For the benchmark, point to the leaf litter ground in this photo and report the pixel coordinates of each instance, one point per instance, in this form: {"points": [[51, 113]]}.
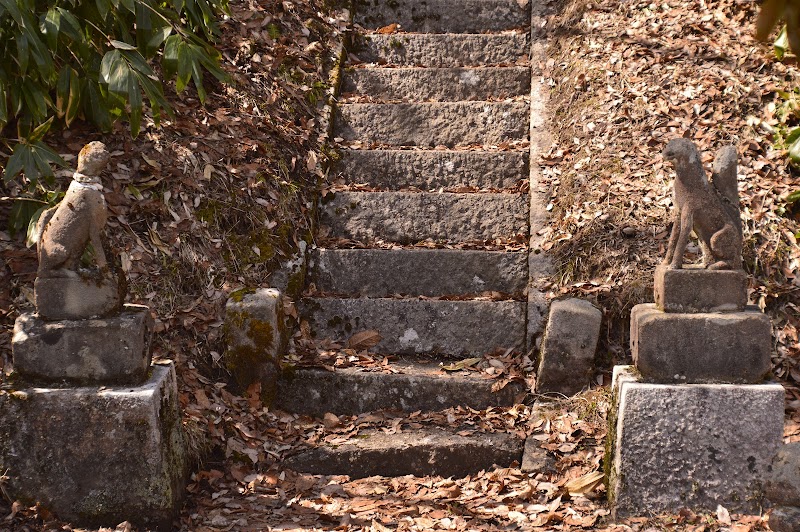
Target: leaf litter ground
{"points": [[187, 199]]}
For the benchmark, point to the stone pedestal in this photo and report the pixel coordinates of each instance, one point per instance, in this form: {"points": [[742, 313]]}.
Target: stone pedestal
{"points": [[112, 350], [695, 424], [695, 289], [691, 445], [73, 298], [701, 347], [96, 455]]}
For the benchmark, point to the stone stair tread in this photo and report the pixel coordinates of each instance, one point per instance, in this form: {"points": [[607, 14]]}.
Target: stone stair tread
{"points": [[411, 385], [438, 84], [445, 49], [408, 217], [443, 16], [419, 452], [415, 326], [433, 169], [433, 123], [418, 272]]}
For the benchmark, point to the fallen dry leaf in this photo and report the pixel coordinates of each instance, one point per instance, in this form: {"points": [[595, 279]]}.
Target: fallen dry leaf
{"points": [[364, 340]]}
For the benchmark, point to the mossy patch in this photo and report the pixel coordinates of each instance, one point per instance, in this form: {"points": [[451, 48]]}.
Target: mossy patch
{"points": [[251, 354]]}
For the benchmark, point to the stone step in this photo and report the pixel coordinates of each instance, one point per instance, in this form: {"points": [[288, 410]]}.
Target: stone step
{"points": [[412, 385], [438, 84], [420, 452], [444, 16], [418, 272], [433, 124], [408, 217], [434, 169], [413, 326], [444, 49]]}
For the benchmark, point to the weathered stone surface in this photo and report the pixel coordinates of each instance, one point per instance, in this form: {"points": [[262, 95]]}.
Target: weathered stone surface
{"points": [[538, 307], [782, 485], [256, 338], [433, 124], [701, 347], [566, 362], [442, 50], [411, 452], [96, 457], [434, 169], [535, 459], [438, 84], [415, 386], [444, 16], [418, 272], [700, 290], [76, 298], [411, 326], [784, 519], [419, 216], [692, 445], [97, 351]]}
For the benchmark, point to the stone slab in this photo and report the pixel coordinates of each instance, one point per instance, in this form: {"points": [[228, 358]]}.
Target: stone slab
{"points": [[784, 519], [96, 456], [438, 84], [412, 326], [422, 452], [566, 361], [76, 298], [701, 347], [443, 16], [535, 459], [692, 446], [699, 290], [433, 124], [782, 486], [410, 217], [410, 386], [92, 351], [418, 272], [434, 169], [256, 338], [445, 50]]}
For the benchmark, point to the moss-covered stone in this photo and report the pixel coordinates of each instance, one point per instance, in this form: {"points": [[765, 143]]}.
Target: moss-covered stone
{"points": [[256, 339], [97, 457]]}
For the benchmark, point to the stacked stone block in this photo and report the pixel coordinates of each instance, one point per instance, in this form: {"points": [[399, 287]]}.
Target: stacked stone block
{"points": [[89, 428], [697, 423]]}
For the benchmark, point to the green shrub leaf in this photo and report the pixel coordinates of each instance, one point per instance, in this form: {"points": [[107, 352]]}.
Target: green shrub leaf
{"points": [[69, 60]]}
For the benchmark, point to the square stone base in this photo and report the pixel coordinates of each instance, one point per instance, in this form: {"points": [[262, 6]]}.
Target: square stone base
{"points": [[96, 456], [77, 298], [691, 446], [113, 350], [708, 347], [695, 289]]}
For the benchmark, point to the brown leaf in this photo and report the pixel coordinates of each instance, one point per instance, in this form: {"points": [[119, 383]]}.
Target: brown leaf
{"points": [[391, 28], [364, 340], [331, 421], [461, 364], [585, 484]]}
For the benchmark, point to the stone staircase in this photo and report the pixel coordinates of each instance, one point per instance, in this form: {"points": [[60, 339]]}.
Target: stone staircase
{"points": [[431, 215]]}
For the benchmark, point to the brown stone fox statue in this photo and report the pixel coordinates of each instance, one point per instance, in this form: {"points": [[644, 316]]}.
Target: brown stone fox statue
{"points": [[65, 230], [711, 209]]}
